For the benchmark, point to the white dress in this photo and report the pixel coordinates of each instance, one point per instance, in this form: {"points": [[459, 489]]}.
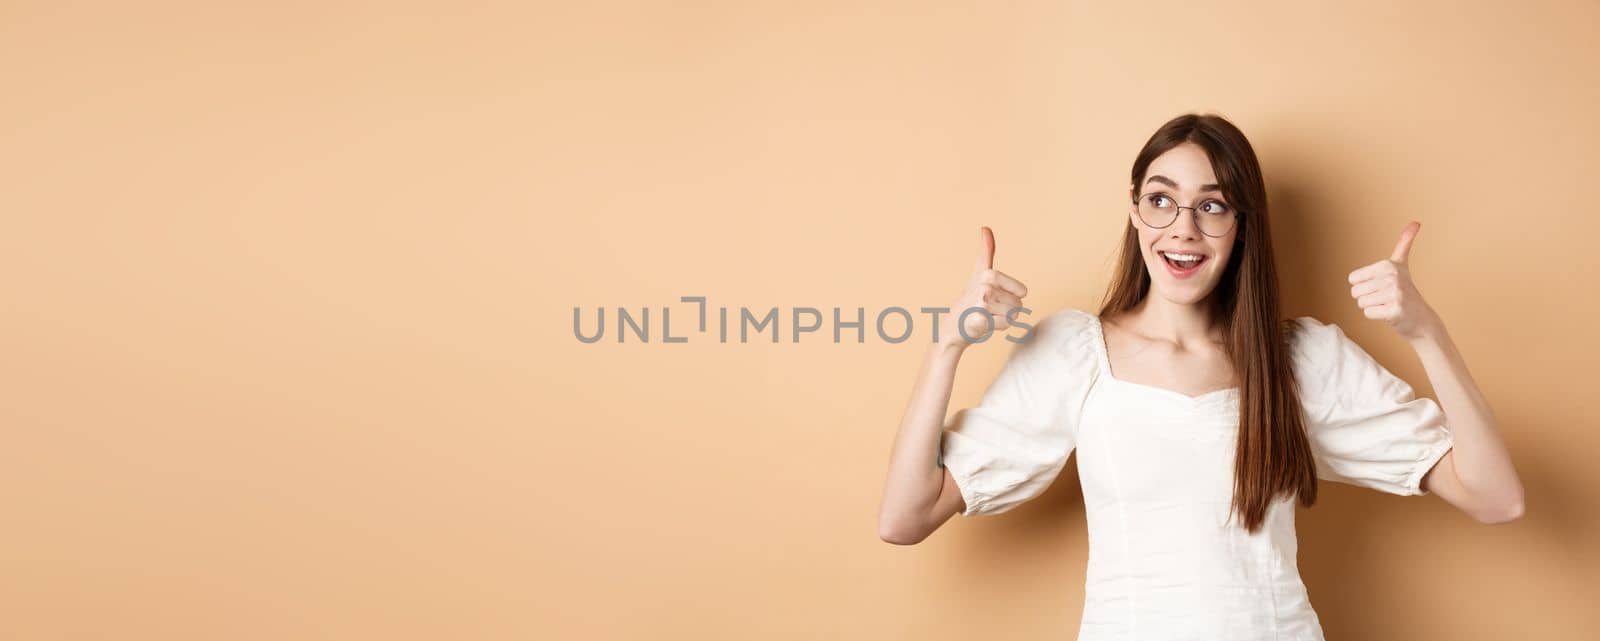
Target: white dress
{"points": [[1156, 466]]}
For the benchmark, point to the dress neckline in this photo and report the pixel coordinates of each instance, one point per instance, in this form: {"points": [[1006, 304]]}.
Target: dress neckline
{"points": [[1103, 354]]}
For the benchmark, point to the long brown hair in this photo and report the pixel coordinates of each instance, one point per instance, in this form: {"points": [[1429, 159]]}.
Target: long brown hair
{"points": [[1274, 456]]}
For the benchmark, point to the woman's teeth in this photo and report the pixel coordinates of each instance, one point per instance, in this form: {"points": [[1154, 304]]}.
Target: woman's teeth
{"points": [[1183, 261]]}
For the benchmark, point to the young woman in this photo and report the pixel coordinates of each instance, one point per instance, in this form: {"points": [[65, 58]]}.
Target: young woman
{"points": [[1198, 416]]}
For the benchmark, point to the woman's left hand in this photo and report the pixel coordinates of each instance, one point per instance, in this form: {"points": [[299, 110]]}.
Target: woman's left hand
{"points": [[1385, 292]]}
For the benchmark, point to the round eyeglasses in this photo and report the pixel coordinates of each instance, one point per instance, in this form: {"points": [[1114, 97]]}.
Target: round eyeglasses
{"points": [[1214, 217]]}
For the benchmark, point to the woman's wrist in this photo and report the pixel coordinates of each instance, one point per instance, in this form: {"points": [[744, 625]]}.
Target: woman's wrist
{"points": [[948, 348]]}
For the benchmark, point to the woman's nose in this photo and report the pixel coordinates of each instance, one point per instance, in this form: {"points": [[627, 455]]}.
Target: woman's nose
{"points": [[1185, 226]]}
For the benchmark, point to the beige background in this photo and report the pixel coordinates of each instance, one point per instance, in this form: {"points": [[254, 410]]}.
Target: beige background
{"points": [[287, 347]]}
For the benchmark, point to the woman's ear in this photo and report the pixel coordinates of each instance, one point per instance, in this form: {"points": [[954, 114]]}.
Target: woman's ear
{"points": [[1133, 207]]}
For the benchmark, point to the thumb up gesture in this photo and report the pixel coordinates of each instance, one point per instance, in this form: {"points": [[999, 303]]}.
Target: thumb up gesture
{"points": [[987, 288], [1385, 292]]}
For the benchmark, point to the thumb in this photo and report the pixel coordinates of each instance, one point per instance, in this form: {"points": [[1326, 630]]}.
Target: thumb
{"points": [[1403, 250], [986, 252]]}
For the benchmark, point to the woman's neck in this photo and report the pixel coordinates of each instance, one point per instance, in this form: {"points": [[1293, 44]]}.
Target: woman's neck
{"points": [[1177, 323]]}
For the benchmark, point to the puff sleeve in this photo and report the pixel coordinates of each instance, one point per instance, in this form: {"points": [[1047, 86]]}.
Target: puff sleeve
{"points": [[1010, 447], [1366, 425]]}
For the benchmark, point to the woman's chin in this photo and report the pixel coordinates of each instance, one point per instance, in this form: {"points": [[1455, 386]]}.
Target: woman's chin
{"points": [[1184, 292]]}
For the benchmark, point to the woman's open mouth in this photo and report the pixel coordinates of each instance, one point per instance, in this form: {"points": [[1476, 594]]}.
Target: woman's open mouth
{"points": [[1183, 265]]}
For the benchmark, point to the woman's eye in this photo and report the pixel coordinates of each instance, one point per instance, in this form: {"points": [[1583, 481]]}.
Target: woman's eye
{"points": [[1161, 200], [1214, 207]]}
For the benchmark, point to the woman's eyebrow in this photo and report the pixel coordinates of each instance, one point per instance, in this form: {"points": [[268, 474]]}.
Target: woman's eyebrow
{"points": [[1158, 178]]}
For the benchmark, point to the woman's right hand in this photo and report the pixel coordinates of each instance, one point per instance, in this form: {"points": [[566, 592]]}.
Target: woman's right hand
{"points": [[989, 289]]}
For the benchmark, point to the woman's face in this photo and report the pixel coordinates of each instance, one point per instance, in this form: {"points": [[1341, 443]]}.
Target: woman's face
{"points": [[1184, 174]]}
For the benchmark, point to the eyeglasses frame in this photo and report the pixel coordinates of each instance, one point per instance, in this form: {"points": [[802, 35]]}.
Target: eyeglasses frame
{"points": [[1236, 213]]}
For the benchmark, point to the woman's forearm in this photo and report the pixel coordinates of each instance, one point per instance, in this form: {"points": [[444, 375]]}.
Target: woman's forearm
{"points": [[920, 495], [915, 481], [1482, 464]]}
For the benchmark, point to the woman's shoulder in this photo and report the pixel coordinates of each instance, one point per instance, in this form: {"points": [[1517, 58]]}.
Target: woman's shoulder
{"points": [[1065, 325], [1066, 338], [1326, 361], [1069, 319], [1311, 338], [1311, 341]]}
